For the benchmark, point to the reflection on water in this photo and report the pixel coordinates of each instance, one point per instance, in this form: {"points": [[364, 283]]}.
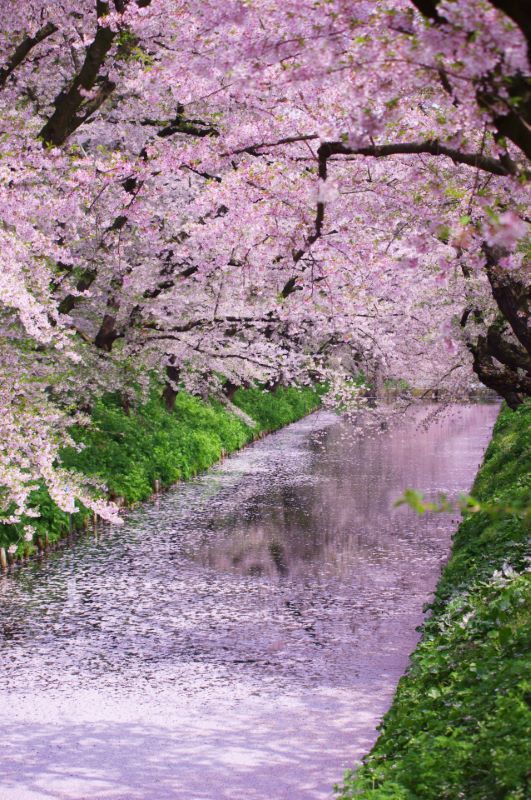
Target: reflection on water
{"points": [[247, 628]]}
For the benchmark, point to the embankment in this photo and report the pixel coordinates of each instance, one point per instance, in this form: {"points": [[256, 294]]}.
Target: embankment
{"points": [[134, 453]]}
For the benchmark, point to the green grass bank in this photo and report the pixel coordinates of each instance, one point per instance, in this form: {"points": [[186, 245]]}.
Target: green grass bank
{"points": [[460, 723], [151, 446]]}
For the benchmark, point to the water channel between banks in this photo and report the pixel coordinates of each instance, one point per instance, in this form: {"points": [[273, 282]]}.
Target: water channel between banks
{"points": [[240, 636]]}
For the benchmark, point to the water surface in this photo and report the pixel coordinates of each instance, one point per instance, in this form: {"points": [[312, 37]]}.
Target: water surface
{"points": [[242, 635]]}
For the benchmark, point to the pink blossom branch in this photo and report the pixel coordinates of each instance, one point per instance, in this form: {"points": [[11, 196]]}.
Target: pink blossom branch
{"points": [[24, 49], [70, 108], [431, 147]]}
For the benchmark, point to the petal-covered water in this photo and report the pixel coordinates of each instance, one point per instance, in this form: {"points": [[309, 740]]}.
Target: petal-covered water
{"points": [[241, 636]]}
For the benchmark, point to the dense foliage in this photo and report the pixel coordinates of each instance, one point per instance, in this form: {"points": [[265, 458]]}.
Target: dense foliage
{"points": [[130, 453], [254, 189], [459, 725]]}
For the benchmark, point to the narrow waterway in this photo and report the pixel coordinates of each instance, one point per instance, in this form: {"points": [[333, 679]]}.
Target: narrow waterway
{"points": [[239, 637]]}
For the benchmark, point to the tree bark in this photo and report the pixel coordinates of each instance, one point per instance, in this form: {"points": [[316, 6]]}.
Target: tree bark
{"points": [[24, 48], [71, 109], [511, 384], [66, 117], [170, 391], [107, 334], [512, 295], [230, 389], [515, 122]]}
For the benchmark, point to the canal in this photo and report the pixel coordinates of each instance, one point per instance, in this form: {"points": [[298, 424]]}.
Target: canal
{"points": [[240, 636]]}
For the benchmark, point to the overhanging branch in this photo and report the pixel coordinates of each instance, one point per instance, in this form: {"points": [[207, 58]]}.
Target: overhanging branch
{"points": [[432, 147], [24, 48]]}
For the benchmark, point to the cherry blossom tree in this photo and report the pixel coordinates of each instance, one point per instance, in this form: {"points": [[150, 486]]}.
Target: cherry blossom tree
{"points": [[246, 188]]}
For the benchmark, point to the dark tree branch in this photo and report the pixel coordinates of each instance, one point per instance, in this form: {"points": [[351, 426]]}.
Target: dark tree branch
{"points": [[505, 351], [518, 10], [428, 8], [510, 383], [24, 48], [190, 127], [515, 122], [69, 302], [289, 287], [512, 125], [69, 101], [105, 88], [107, 334], [70, 107], [254, 149], [242, 322], [512, 296], [520, 13], [430, 147], [173, 375]]}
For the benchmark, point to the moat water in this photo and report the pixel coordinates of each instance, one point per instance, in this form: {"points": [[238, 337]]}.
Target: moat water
{"points": [[241, 636]]}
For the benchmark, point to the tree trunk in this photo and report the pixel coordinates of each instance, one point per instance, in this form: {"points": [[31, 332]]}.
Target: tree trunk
{"points": [[230, 389], [502, 356], [107, 333], [171, 391], [513, 384], [512, 295]]}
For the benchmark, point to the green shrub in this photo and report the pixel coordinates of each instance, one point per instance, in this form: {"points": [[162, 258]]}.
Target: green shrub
{"points": [[129, 452], [273, 410], [51, 522]]}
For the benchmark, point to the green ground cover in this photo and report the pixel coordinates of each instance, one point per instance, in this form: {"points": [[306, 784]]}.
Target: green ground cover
{"points": [[460, 723], [130, 452]]}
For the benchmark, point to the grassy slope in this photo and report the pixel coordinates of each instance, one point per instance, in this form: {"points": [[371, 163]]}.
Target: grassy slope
{"points": [[459, 725], [128, 453]]}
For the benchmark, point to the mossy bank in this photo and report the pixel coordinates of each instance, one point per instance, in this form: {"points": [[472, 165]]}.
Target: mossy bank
{"points": [[150, 446], [460, 722]]}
